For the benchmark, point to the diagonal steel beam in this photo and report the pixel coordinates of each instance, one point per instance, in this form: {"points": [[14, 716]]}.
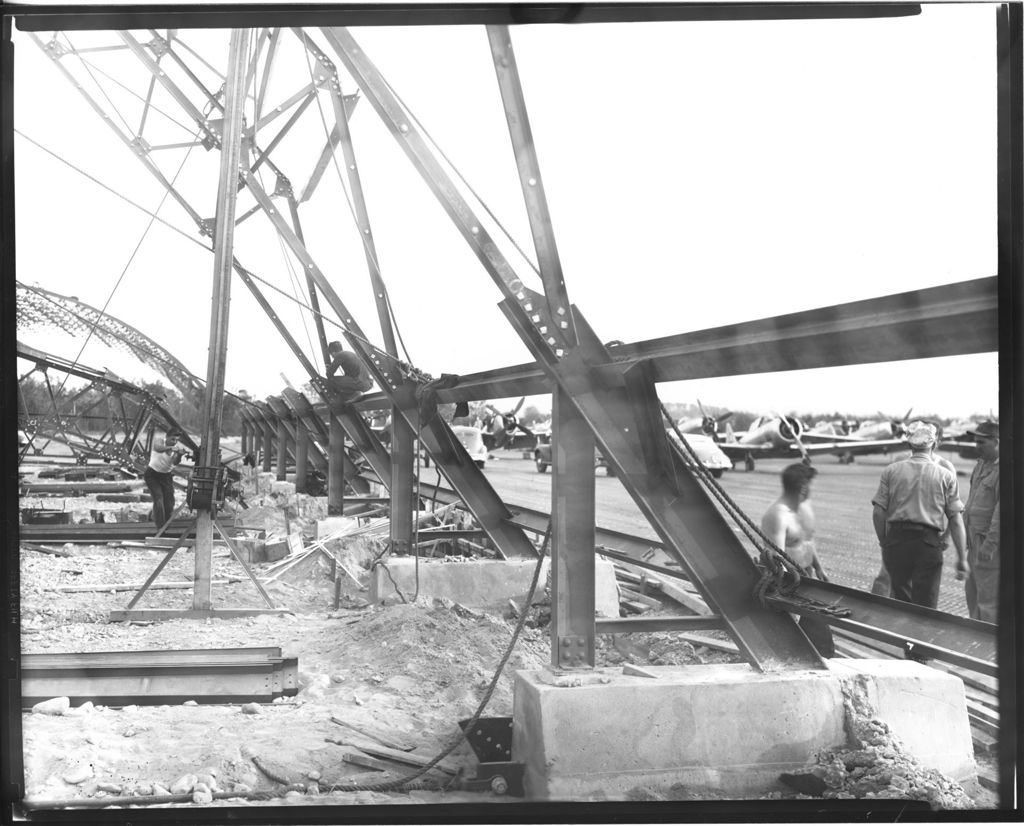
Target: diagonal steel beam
{"points": [[357, 430], [446, 450], [355, 186], [529, 304], [623, 412], [529, 177], [292, 424]]}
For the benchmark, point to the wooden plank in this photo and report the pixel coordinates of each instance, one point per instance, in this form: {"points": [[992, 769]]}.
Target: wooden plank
{"points": [[685, 597], [42, 549], [397, 756], [636, 596], [983, 719], [377, 737], [637, 671], [364, 760], [710, 642], [988, 781], [151, 614], [984, 742], [83, 589]]}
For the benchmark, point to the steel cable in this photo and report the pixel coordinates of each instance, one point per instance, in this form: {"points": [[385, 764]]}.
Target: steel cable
{"points": [[402, 782]]}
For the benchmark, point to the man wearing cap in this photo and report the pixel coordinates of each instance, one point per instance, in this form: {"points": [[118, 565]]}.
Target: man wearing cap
{"points": [[915, 497], [981, 520]]}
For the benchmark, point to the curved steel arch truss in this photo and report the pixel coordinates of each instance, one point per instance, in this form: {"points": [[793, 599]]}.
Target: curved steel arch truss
{"points": [[41, 308]]}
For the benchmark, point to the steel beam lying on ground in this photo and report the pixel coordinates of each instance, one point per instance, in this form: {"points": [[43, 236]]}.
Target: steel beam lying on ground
{"points": [[113, 678], [101, 532], [922, 632]]}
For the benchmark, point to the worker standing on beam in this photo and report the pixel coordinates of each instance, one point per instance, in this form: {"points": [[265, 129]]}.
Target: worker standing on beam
{"points": [[789, 523], [915, 497], [981, 520], [354, 379], [159, 476]]}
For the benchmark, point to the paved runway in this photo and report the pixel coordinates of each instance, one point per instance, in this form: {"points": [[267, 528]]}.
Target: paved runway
{"points": [[841, 495]]}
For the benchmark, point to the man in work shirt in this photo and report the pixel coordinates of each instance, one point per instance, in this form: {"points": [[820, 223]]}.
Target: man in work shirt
{"points": [[981, 520], [354, 379], [882, 586], [915, 497], [159, 476]]}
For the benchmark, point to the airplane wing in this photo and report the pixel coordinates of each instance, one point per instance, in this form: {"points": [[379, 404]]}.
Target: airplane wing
{"points": [[857, 447], [810, 438]]}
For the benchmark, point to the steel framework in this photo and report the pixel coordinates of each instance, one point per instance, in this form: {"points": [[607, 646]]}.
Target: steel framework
{"points": [[126, 412], [603, 395]]}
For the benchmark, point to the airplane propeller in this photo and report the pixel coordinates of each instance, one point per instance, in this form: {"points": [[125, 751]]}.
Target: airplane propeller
{"points": [[507, 424], [709, 424], [899, 426], [789, 428]]}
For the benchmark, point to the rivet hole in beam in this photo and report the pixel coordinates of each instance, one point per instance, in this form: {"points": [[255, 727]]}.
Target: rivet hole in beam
{"points": [[556, 298], [529, 303], [953, 319]]}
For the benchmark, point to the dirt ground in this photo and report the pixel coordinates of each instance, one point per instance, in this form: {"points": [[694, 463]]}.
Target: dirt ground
{"points": [[407, 673]]}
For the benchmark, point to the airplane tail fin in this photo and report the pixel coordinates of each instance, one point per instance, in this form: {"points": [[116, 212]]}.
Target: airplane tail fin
{"points": [[730, 435]]}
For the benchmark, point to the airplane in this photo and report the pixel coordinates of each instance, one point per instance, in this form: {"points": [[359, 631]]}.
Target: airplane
{"points": [[957, 438], [777, 436], [708, 425], [500, 430]]}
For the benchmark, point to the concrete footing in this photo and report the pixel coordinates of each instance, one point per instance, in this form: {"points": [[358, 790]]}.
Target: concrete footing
{"points": [[599, 734], [481, 584]]}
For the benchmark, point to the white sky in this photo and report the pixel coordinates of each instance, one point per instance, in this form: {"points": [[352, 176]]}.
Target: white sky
{"points": [[698, 174]]}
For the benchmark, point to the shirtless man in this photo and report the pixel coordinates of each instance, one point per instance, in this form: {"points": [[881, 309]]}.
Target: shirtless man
{"points": [[789, 522]]}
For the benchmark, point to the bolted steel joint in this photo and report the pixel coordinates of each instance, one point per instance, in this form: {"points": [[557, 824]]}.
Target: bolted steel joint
{"points": [[572, 652], [56, 49], [158, 46], [283, 187], [207, 226]]}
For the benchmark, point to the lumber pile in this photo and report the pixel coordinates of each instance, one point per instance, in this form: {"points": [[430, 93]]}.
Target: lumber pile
{"points": [[641, 591]]}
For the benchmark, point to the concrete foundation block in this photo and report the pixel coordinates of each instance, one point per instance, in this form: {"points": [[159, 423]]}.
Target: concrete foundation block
{"points": [[723, 727], [926, 708], [485, 585], [283, 488]]}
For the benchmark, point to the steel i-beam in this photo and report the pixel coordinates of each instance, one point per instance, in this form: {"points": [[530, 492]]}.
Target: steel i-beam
{"points": [[446, 450], [223, 239], [572, 538], [622, 410]]}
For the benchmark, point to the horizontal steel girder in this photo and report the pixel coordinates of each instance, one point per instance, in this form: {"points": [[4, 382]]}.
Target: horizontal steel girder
{"points": [[100, 18], [951, 320]]}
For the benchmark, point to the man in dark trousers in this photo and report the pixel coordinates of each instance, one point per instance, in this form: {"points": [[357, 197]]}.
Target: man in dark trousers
{"points": [[354, 379], [159, 476], [915, 497], [981, 520]]}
